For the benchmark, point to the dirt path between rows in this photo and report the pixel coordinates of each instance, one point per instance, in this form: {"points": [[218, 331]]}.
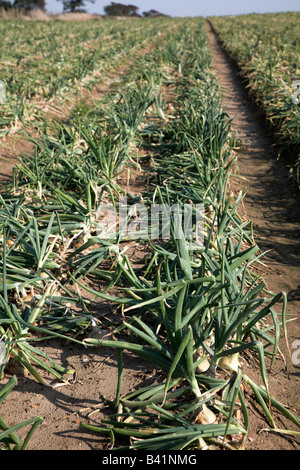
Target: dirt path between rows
{"points": [[273, 204]]}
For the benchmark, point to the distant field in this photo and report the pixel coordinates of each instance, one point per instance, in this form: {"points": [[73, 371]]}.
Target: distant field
{"points": [[267, 50], [43, 60]]}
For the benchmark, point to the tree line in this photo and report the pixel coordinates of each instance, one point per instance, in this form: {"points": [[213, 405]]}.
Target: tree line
{"points": [[118, 9], [114, 9], [23, 4]]}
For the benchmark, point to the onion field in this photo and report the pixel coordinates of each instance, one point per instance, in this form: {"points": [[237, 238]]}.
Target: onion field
{"points": [[131, 110], [266, 50]]}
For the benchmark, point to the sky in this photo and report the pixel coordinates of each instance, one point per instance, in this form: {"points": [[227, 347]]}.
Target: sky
{"points": [[192, 7]]}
